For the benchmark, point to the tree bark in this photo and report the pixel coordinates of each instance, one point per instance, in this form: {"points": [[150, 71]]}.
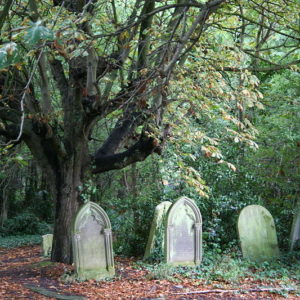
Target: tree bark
{"points": [[68, 186], [3, 214]]}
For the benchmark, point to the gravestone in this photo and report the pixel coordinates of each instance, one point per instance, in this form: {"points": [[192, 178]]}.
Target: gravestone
{"points": [[257, 233], [47, 244], [184, 233], [295, 233], [157, 230], [92, 243]]}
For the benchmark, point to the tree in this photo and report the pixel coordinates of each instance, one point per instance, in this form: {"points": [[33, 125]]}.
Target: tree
{"points": [[72, 66]]}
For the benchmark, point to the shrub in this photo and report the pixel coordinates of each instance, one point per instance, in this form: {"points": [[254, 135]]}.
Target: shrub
{"points": [[25, 223], [17, 241]]}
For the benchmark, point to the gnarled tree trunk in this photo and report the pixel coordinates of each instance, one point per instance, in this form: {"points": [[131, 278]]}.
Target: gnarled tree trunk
{"points": [[67, 189], [69, 179]]}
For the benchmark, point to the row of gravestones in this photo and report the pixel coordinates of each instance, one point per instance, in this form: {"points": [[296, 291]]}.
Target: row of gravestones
{"points": [[177, 228]]}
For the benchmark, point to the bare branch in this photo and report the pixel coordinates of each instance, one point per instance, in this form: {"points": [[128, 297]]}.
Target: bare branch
{"points": [[265, 26], [260, 69]]}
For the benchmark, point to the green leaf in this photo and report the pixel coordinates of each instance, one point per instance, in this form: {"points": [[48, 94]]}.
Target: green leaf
{"points": [[9, 55], [20, 160], [38, 32]]}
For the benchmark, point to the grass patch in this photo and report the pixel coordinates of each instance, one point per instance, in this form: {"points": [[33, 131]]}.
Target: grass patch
{"points": [[19, 240], [42, 264]]}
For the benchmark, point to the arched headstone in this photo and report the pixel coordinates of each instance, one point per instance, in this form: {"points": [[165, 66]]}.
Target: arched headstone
{"points": [[92, 243], [257, 233], [157, 230], [184, 233]]}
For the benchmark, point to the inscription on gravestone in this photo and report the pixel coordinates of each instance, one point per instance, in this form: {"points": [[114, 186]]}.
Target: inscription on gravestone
{"points": [[184, 233], [92, 243]]}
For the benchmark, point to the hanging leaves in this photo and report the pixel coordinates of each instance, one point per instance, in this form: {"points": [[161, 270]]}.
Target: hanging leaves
{"points": [[38, 32], [9, 55]]}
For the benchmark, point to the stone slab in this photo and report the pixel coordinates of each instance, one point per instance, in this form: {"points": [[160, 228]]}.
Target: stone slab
{"points": [[92, 243], [157, 230], [47, 244], [257, 233], [295, 232], [184, 233]]}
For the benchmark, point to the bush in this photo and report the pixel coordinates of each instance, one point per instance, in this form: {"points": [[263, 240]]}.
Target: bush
{"points": [[131, 220], [24, 224], [17, 241]]}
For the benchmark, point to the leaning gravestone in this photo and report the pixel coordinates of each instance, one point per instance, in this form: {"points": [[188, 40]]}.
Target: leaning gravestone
{"points": [[295, 233], [92, 243], [157, 230], [47, 244], [257, 233], [184, 233]]}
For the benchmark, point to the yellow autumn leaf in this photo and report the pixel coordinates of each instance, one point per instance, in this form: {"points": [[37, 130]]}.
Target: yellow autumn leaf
{"points": [[79, 36], [259, 105], [124, 35], [231, 166]]}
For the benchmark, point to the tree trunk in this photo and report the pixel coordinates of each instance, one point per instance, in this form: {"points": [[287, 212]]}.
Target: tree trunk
{"points": [[3, 214], [31, 184], [68, 186], [67, 203]]}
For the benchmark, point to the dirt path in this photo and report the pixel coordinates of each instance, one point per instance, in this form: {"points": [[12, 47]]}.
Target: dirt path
{"points": [[24, 267]]}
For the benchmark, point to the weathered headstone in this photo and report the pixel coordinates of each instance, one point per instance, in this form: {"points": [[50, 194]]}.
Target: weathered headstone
{"points": [[295, 233], [257, 233], [92, 243], [47, 244], [184, 233], [157, 230]]}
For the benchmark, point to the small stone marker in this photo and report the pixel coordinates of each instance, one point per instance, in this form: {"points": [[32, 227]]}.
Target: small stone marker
{"points": [[184, 233], [47, 244], [157, 230], [295, 233], [92, 243], [257, 233]]}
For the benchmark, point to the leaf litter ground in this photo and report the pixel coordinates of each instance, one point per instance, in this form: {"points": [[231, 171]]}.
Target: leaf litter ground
{"points": [[23, 271]]}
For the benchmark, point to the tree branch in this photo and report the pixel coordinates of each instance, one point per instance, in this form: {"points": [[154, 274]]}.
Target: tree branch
{"points": [[201, 18], [209, 5], [59, 76], [265, 26], [44, 85], [254, 290], [143, 46], [262, 69], [5, 12], [138, 152]]}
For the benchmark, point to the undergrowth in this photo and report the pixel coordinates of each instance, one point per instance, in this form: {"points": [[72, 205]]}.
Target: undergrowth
{"points": [[19, 240], [230, 268]]}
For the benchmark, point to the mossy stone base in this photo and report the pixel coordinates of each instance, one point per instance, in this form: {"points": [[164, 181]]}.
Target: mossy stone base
{"points": [[95, 274]]}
